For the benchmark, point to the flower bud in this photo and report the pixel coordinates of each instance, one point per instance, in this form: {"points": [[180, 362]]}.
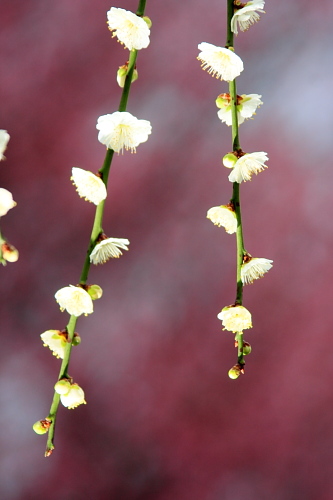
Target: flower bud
{"points": [[95, 291], [76, 339], [9, 252], [148, 21], [246, 348], [121, 75], [42, 426], [229, 160], [62, 386], [223, 100], [235, 371]]}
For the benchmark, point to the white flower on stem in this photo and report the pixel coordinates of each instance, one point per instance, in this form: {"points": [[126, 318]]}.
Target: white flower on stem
{"points": [[88, 185], [71, 395], [220, 62], [247, 165], [246, 15], [4, 138], [254, 268], [122, 130], [75, 300], [56, 341], [235, 318], [107, 249], [6, 201], [223, 216], [130, 29], [246, 107]]}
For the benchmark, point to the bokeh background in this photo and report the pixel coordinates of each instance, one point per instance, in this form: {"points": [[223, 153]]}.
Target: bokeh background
{"points": [[163, 420]]}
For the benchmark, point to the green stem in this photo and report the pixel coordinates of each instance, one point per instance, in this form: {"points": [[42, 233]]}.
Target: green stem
{"points": [[236, 186], [95, 233]]}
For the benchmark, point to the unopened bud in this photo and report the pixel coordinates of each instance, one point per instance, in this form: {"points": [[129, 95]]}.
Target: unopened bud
{"points": [[9, 252], [121, 75], [246, 348], [223, 100], [229, 160], [76, 339], [42, 426], [148, 21], [235, 371], [95, 291], [62, 386]]}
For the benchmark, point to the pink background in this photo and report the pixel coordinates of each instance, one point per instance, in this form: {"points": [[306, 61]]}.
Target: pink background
{"points": [[163, 420]]}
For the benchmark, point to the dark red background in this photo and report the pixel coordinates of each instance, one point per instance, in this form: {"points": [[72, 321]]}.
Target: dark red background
{"points": [[163, 420]]}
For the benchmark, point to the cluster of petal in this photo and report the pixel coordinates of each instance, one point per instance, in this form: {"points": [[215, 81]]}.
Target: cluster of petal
{"points": [[247, 15], [130, 29], [4, 138], [6, 201], [220, 62], [121, 130], [108, 249], [88, 185], [254, 269], [71, 395], [75, 300], [246, 108], [235, 318], [223, 216], [248, 165], [56, 341]]}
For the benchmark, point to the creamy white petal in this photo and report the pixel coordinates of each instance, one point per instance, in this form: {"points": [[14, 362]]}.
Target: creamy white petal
{"points": [[235, 318], [254, 269], [73, 398], [4, 138], [88, 185], [223, 216], [220, 62], [56, 341], [248, 165], [75, 300], [121, 130], [247, 15], [108, 249], [6, 201], [130, 29]]}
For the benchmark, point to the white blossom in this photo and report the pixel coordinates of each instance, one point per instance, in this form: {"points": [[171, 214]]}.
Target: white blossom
{"points": [[254, 269], [121, 130], [75, 300], [4, 138], [6, 201], [247, 165], [247, 15], [88, 185], [130, 29], [71, 395], [223, 216], [235, 318], [56, 341], [107, 249], [246, 107], [220, 62]]}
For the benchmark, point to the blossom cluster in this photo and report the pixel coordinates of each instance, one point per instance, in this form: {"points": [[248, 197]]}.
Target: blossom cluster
{"points": [[119, 131], [224, 64], [8, 253]]}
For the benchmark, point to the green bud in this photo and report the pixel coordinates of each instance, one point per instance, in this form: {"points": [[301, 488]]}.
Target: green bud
{"points": [[229, 160], [148, 21], [223, 100], [76, 339], [246, 348], [42, 426], [62, 386], [95, 291], [235, 371]]}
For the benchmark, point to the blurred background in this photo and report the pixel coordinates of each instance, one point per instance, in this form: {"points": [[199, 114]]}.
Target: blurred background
{"points": [[163, 420]]}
